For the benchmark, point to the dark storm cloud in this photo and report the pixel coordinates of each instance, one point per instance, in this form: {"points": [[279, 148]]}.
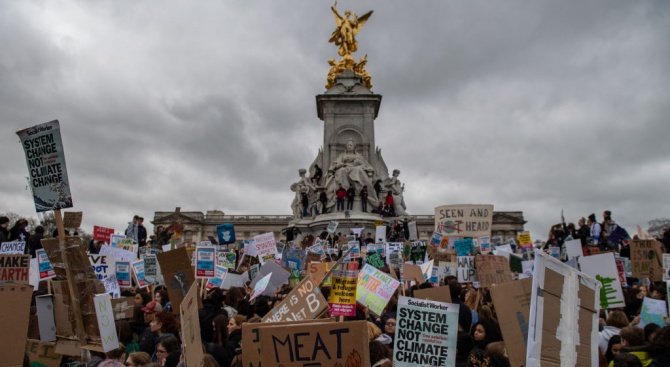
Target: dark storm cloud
{"points": [[532, 106]]}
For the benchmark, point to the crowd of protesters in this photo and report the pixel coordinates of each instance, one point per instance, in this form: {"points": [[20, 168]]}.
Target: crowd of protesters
{"points": [[152, 336]]}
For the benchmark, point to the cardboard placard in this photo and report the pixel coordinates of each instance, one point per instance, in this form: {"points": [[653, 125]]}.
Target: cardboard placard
{"points": [[178, 274], [226, 259], [423, 334], [439, 294], [304, 302], [13, 248], [574, 248], [467, 271], [319, 270], [343, 293], [375, 288], [251, 353], [14, 318], [645, 256], [102, 233], [563, 320], [123, 308], [15, 269], [43, 147], [42, 354], [492, 270], [603, 268], [193, 354], [464, 220], [266, 247], [279, 277], [514, 299], [100, 266], [412, 273], [72, 219], [105, 313], [317, 344]]}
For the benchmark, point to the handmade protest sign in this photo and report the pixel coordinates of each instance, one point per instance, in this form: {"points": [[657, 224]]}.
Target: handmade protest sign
{"points": [[13, 248], [45, 158], [412, 273], [114, 240], [190, 328], [354, 251], [42, 354], [251, 353], [315, 344], [343, 293], [151, 269], [425, 333], [563, 319], [44, 265], [514, 298], [266, 247], [123, 273], [380, 234], [375, 260], [205, 259], [332, 227], [105, 315], [102, 233], [603, 268], [260, 286], [467, 271], [100, 266], [279, 277], [226, 259], [123, 308], [645, 260], [653, 312], [418, 251], [574, 248], [111, 285], [72, 219], [304, 302], [464, 247], [138, 271], [464, 220], [14, 316], [319, 270], [413, 233], [375, 288], [492, 270], [117, 254], [219, 274], [226, 233], [15, 269], [178, 274], [439, 294], [234, 280]]}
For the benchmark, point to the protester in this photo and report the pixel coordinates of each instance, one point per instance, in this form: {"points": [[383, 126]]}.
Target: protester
{"points": [[632, 341], [613, 348], [125, 336], [388, 333], [479, 358], [147, 338], [613, 325], [18, 232], [161, 296], [4, 232], [114, 358], [217, 347], [234, 335], [379, 355], [659, 348], [626, 360], [138, 359], [464, 345], [35, 241], [484, 333], [167, 348], [165, 325], [498, 353]]}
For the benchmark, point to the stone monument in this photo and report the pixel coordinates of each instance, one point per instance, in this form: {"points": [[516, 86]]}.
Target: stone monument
{"points": [[349, 158]]}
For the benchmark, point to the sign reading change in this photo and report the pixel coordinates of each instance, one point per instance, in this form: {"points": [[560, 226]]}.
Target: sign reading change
{"points": [[464, 220], [43, 147]]}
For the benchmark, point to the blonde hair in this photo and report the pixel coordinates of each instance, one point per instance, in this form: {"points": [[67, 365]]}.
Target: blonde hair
{"points": [[373, 331], [496, 349]]}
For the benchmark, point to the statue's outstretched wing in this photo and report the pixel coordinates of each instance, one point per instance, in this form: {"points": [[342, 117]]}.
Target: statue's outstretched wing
{"points": [[361, 21], [381, 171], [336, 37]]}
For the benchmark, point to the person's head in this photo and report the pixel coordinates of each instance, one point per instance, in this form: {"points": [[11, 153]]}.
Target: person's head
{"points": [[632, 336], [159, 229], [378, 351], [485, 313], [464, 345], [209, 361], [117, 354], [142, 298], [4, 222], [162, 297], [140, 221], [124, 331], [236, 323], [613, 348], [164, 322], [661, 342], [138, 359], [607, 215], [480, 333], [390, 325], [650, 331], [581, 221], [642, 292], [136, 218], [656, 294], [150, 310], [389, 193], [455, 290], [627, 360], [592, 219], [220, 328], [497, 350], [166, 346], [39, 230], [617, 319]]}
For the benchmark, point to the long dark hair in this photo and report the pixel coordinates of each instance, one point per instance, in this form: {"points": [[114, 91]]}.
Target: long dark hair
{"points": [[221, 329]]}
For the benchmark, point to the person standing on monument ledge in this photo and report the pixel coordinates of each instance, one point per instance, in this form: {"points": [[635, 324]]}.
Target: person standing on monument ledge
{"points": [[351, 194], [341, 193], [364, 199]]}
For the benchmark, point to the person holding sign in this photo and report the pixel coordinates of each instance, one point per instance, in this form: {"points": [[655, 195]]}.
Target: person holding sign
{"points": [[165, 325]]}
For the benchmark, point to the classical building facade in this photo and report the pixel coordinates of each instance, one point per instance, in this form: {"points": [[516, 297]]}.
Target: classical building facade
{"points": [[199, 226]]}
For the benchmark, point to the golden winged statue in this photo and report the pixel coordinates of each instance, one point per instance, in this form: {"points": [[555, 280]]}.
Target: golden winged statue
{"points": [[346, 29]]}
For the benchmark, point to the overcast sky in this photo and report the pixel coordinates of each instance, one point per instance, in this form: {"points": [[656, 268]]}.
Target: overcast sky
{"points": [[532, 106]]}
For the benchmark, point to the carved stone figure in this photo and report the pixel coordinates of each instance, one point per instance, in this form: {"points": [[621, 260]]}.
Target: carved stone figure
{"points": [[351, 169], [304, 185], [393, 185]]}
